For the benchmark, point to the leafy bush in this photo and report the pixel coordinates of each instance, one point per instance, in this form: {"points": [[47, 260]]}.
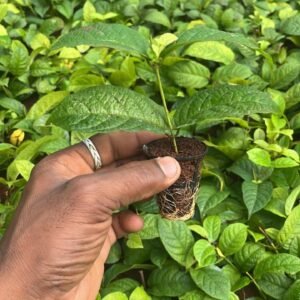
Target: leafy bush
{"points": [[229, 71]]}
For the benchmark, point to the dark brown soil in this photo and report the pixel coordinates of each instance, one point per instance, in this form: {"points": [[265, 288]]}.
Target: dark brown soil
{"points": [[177, 202]]}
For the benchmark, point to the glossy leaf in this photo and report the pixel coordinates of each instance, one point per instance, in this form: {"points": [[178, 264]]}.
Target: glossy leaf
{"points": [[204, 253], [176, 238], [233, 238], [256, 196], [222, 102], [109, 108], [115, 36], [212, 281], [281, 262]]}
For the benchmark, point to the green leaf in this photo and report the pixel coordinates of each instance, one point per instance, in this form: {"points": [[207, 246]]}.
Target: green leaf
{"points": [[281, 262], [139, 294], [150, 229], [124, 285], [176, 238], [189, 74], [211, 50], [157, 17], [208, 197], [203, 33], [260, 157], [170, 281], [196, 295], [134, 241], [275, 284], [108, 108], [212, 281], [223, 102], [13, 105], [248, 256], [45, 104], [212, 225], [233, 238], [84, 81], [115, 296], [292, 96], [232, 73], [293, 292], [19, 59], [256, 196], [291, 25], [290, 229], [204, 253], [284, 162], [249, 171], [114, 254], [24, 167], [291, 199], [284, 75], [115, 36]]}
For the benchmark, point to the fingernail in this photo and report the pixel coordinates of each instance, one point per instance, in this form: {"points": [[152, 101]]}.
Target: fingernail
{"points": [[168, 165]]}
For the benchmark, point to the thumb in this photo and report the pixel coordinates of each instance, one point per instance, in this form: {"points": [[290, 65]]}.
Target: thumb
{"points": [[134, 181]]}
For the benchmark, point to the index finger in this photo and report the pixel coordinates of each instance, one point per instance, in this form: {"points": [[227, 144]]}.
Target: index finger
{"points": [[111, 147]]}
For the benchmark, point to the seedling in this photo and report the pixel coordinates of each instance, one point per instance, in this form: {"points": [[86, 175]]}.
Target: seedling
{"points": [[107, 108]]}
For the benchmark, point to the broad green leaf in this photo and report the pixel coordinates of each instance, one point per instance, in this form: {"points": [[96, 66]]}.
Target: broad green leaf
{"points": [[247, 257], [291, 199], [157, 17], [19, 59], [232, 73], [277, 203], [211, 50], [293, 292], [223, 102], [275, 284], [139, 294], [150, 229], [159, 43], [134, 241], [212, 281], [45, 104], [291, 25], [249, 171], [170, 281], [281, 262], [196, 295], [124, 285], [284, 162], [199, 230], [115, 36], [84, 81], [233, 238], [260, 157], [24, 167], [13, 105], [290, 229], [40, 41], [292, 96], [189, 74], [176, 238], [204, 253], [282, 76], [256, 196], [109, 108], [203, 33], [115, 296], [69, 53], [212, 225]]}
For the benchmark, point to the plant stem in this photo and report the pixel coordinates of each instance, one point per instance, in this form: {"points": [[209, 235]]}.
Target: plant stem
{"points": [[163, 98], [256, 284]]}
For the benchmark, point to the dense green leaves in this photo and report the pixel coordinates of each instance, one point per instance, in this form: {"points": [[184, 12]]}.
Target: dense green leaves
{"points": [[105, 35], [108, 108], [222, 102], [291, 25]]}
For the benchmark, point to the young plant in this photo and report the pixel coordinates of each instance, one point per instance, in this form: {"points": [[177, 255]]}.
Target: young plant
{"points": [[106, 108]]}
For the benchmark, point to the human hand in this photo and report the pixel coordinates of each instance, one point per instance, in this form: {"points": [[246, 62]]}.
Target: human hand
{"points": [[64, 227]]}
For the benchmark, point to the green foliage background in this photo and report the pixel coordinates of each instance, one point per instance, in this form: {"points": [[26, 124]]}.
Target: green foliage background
{"points": [[246, 232]]}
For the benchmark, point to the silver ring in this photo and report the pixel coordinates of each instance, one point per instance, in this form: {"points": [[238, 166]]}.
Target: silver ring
{"points": [[94, 152]]}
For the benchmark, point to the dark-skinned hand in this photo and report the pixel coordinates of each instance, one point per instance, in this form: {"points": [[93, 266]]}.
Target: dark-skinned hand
{"points": [[65, 225]]}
